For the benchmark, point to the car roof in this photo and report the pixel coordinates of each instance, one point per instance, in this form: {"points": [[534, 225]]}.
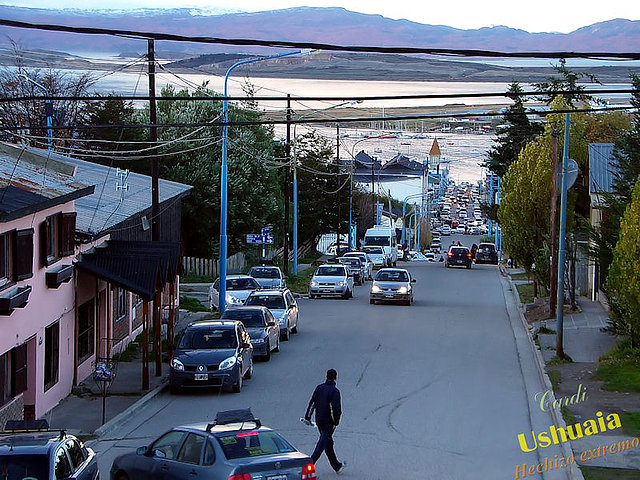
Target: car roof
{"points": [[331, 265], [223, 428], [214, 323], [270, 267], [33, 443], [245, 308], [229, 277], [271, 291], [393, 270], [487, 243]]}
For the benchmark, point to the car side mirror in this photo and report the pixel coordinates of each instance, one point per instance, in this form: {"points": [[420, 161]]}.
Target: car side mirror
{"points": [[271, 324], [413, 280], [245, 345], [141, 450]]}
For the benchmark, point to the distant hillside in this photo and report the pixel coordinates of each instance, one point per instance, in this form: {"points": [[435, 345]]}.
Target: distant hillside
{"points": [[325, 25]]}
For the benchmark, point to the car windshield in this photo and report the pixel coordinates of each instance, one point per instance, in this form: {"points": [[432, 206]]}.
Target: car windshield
{"points": [[252, 443], [272, 302], [264, 272], [201, 338], [372, 250], [354, 262], [250, 318], [392, 276], [247, 283], [487, 248], [459, 251], [382, 241], [19, 467], [330, 272]]}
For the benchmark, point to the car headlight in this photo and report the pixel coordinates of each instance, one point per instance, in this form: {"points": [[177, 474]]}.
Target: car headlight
{"points": [[257, 341], [375, 289], [227, 363], [314, 283], [402, 289], [177, 365], [341, 284], [234, 300]]}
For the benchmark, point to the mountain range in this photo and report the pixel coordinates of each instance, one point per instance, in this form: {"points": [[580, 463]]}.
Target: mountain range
{"points": [[332, 25]]}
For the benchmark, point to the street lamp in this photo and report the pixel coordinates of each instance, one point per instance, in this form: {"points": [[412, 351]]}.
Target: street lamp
{"points": [[295, 179], [222, 293], [48, 109]]}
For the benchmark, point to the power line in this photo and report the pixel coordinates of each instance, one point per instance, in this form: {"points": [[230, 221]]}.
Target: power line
{"points": [[313, 45]]}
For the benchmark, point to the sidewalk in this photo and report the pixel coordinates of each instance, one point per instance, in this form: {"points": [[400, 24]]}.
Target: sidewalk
{"points": [[585, 342], [82, 413]]}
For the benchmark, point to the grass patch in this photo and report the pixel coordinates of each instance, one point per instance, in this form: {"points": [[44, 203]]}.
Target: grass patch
{"points": [[520, 276], [631, 423], [560, 360], [128, 353], [300, 283], [546, 330], [525, 291], [619, 368], [602, 473], [568, 417], [310, 257], [192, 304], [193, 278], [555, 377]]}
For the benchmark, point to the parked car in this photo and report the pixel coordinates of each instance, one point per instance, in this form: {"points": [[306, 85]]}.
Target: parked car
{"points": [[212, 353], [436, 246], [445, 230], [235, 444], [282, 306], [268, 276], [367, 263], [331, 280], [460, 230], [487, 253], [354, 268], [458, 256], [392, 285], [238, 289], [376, 254], [29, 450], [261, 325]]}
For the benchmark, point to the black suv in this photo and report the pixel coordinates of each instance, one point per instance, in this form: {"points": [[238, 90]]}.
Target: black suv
{"points": [[486, 253], [28, 449], [458, 256]]}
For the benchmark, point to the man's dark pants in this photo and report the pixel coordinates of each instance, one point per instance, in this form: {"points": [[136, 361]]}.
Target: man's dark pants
{"points": [[325, 444]]}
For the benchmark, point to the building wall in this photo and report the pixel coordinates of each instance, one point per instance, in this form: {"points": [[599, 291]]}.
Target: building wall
{"points": [[45, 307]]}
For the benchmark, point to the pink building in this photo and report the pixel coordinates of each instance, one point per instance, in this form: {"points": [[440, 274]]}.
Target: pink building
{"points": [[76, 266]]}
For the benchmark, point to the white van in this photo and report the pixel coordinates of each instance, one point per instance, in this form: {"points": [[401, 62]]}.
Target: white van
{"points": [[384, 237]]}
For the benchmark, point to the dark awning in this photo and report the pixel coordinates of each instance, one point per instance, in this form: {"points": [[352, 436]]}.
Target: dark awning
{"points": [[138, 267]]}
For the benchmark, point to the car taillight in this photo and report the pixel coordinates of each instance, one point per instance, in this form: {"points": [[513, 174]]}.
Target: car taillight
{"points": [[469, 254], [309, 472], [450, 254], [240, 476]]}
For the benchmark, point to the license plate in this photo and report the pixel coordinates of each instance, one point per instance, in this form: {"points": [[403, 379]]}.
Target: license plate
{"points": [[202, 376], [276, 477], [458, 261], [388, 294]]}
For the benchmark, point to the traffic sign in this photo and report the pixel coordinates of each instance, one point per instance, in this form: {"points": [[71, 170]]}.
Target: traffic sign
{"points": [[254, 238], [266, 231], [268, 239]]}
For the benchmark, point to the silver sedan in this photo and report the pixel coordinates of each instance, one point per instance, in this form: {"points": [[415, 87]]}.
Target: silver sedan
{"points": [[392, 285]]}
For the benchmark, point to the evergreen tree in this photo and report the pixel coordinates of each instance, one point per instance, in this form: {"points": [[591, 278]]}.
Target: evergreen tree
{"points": [[512, 138]]}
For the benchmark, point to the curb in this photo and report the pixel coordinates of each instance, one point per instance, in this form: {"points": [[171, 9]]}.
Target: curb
{"points": [[123, 416], [574, 472]]}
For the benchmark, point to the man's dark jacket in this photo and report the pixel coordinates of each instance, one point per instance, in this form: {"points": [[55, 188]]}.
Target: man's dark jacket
{"points": [[326, 402]]}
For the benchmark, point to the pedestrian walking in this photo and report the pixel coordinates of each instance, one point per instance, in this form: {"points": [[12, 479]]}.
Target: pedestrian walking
{"points": [[325, 401]]}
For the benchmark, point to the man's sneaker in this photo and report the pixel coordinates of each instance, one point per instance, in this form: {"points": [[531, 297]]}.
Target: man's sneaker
{"points": [[342, 467]]}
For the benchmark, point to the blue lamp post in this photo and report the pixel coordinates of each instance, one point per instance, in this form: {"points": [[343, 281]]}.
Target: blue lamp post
{"points": [[404, 209], [222, 293], [48, 108]]}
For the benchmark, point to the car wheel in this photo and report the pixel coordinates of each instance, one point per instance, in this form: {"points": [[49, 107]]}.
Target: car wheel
{"points": [[312, 296], [295, 328], [249, 373], [285, 336], [174, 390], [236, 387], [469, 266], [122, 476], [372, 301], [277, 349], [350, 294], [394, 263], [267, 355]]}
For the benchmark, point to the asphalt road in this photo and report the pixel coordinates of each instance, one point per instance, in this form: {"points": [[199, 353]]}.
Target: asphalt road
{"points": [[435, 390]]}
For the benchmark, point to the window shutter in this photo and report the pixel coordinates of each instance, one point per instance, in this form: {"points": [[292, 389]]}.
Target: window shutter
{"points": [[68, 232], [43, 242], [20, 369], [23, 254]]}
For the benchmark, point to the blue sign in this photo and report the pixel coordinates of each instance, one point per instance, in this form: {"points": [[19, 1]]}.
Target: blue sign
{"points": [[266, 231], [268, 239], [254, 238]]}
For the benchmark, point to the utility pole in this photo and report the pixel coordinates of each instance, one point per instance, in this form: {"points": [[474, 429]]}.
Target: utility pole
{"points": [[285, 241], [373, 195], [338, 189], [561, 240], [553, 270], [155, 206]]}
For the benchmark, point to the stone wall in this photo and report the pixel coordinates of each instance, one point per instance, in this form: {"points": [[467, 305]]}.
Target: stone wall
{"points": [[14, 410]]}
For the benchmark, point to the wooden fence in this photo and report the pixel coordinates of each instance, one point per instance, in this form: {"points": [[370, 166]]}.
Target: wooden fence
{"points": [[209, 266]]}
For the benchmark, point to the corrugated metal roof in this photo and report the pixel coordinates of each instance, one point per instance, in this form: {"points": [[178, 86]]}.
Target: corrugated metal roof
{"points": [[110, 205], [601, 168]]}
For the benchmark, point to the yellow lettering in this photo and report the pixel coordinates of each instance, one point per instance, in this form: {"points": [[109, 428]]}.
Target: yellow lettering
{"points": [[590, 427], [523, 443], [613, 421], [554, 434], [543, 439], [601, 421]]}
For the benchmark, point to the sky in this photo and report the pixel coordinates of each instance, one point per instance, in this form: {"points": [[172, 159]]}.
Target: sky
{"points": [[539, 16]]}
